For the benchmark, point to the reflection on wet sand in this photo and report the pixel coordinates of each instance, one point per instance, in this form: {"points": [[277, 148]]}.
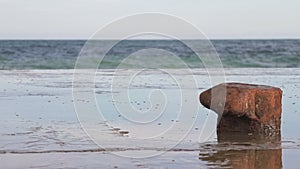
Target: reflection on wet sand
{"points": [[246, 159], [240, 151]]}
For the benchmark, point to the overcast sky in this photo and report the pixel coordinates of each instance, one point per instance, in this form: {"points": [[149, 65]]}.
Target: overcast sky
{"points": [[218, 19]]}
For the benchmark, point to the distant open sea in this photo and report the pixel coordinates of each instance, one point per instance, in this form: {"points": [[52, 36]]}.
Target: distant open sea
{"points": [[62, 54]]}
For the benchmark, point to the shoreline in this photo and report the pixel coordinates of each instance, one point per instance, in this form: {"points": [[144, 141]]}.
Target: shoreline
{"points": [[37, 115]]}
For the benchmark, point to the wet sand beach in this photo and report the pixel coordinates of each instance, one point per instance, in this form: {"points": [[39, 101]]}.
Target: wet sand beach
{"points": [[39, 127]]}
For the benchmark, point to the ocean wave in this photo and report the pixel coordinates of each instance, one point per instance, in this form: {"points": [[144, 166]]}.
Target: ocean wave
{"points": [[62, 54]]}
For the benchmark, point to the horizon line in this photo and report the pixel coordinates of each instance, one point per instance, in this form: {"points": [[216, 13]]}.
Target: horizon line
{"points": [[86, 39]]}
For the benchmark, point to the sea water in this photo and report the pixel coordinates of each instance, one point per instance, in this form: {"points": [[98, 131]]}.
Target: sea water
{"points": [[39, 119], [62, 54]]}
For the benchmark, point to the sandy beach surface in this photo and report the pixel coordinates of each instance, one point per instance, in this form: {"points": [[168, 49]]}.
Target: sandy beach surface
{"points": [[39, 127]]}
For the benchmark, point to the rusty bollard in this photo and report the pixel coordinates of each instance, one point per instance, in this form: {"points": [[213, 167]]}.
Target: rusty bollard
{"points": [[249, 108]]}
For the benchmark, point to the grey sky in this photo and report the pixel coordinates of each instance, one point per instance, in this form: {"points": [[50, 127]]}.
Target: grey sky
{"points": [[73, 19]]}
